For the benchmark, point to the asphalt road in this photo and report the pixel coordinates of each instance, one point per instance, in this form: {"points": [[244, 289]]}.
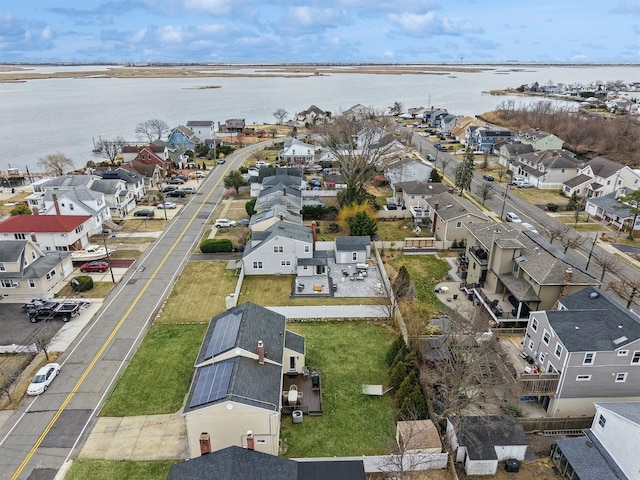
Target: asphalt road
{"points": [[50, 429], [534, 215]]}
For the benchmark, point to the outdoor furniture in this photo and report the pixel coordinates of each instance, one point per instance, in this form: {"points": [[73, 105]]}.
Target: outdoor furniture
{"points": [[300, 287], [317, 288]]}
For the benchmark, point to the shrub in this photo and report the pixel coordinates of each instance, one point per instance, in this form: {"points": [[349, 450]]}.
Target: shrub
{"points": [[397, 346], [82, 283], [552, 207], [215, 245]]}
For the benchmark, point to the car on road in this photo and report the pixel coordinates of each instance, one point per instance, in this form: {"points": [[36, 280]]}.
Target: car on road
{"points": [[488, 177], [530, 227], [430, 157], [221, 161], [512, 217], [145, 212], [224, 223], [167, 206], [175, 181], [96, 266], [43, 379]]}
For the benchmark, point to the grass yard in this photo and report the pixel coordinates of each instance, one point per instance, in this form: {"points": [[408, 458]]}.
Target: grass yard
{"points": [[398, 230], [157, 378], [99, 290], [199, 293], [278, 291], [425, 272], [347, 355], [536, 196], [585, 223], [82, 469]]}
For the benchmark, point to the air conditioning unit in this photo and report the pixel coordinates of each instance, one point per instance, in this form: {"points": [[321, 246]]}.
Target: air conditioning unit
{"points": [[15, 284]]}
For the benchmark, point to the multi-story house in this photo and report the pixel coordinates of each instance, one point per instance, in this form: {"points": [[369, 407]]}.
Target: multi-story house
{"points": [[120, 199], [407, 170], [182, 136], [298, 153], [433, 116], [540, 140], [133, 181], [449, 215], [547, 169], [607, 450], [232, 125], [513, 274], [609, 208], [592, 344], [203, 129], [508, 152], [483, 138], [600, 176], [313, 116], [278, 249], [49, 232]]}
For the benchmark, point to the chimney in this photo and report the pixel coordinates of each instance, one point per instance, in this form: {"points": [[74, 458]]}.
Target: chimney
{"points": [[260, 352], [313, 236], [205, 443], [436, 205], [250, 441], [55, 203], [568, 273], [35, 211], [33, 238], [284, 191]]}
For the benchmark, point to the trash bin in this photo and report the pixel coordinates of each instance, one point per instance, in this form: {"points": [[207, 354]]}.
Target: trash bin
{"points": [[470, 296], [455, 296], [297, 416]]}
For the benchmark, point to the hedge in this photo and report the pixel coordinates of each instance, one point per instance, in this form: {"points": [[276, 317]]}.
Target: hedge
{"points": [[215, 245]]}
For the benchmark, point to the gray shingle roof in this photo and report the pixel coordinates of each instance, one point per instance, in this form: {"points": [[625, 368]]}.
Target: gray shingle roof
{"points": [[628, 410], [589, 458], [452, 206], [69, 181], [579, 180], [352, 243], [276, 211], [11, 250], [611, 205], [604, 167], [421, 188], [481, 434], [294, 341], [108, 187]]}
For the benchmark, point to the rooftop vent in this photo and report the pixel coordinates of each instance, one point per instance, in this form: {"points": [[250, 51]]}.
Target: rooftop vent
{"points": [[619, 340], [520, 259], [593, 295]]}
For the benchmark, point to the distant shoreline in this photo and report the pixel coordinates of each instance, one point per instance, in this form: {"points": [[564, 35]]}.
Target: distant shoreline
{"points": [[20, 72]]}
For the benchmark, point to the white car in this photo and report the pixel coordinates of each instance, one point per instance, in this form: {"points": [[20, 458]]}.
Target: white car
{"points": [[190, 190], [43, 379], [224, 222], [530, 227], [200, 174], [512, 217], [261, 163], [167, 206]]}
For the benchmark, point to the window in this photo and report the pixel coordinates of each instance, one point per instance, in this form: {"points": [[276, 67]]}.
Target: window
{"points": [[635, 360], [531, 345], [307, 248], [542, 357], [621, 377], [354, 256], [551, 368], [589, 357], [623, 353], [583, 378], [278, 249], [71, 207], [6, 283], [545, 337], [32, 283], [558, 351], [602, 421], [458, 224], [2, 267], [80, 229], [20, 236], [285, 263], [257, 265], [51, 274], [534, 324]]}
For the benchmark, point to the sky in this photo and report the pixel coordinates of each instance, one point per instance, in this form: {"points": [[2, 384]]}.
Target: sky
{"points": [[341, 31]]}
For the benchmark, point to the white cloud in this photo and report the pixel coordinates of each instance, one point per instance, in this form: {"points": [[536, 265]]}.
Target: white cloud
{"points": [[428, 24], [219, 7], [138, 36], [171, 34], [309, 16], [46, 34]]}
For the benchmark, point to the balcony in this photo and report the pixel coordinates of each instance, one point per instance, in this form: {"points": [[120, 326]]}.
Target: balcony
{"points": [[538, 384], [481, 256]]}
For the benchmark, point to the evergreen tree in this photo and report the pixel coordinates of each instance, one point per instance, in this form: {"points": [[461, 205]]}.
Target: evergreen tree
{"points": [[464, 171], [361, 224]]}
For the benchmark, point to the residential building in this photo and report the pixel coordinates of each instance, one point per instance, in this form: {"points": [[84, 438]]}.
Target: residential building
{"points": [[49, 232], [27, 272], [313, 116], [278, 213], [606, 450], [600, 176], [546, 169], [449, 214], [357, 112], [540, 140], [483, 139], [415, 193], [506, 265], [298, 153], [182, 136], [593, 344], [129, 152], [272, 176], [232, 125], [355, 249], [203, 129], [508, 152], [277, 249], [617, 214], [133, 181], [459, 130], [433, 116], [408, 170], [120, 199], [236, 463], [447, 123], [237, 386], [152, 162], [279, 194], [481, 442], [334, 181]]}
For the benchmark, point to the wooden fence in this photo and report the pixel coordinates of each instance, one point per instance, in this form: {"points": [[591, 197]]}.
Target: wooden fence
{"points": [[565, 423]]}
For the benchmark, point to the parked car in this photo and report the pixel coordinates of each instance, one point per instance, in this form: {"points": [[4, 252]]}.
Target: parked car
{"points": [[513, 217], [224, 222], [261, 163], [175, 181], [523, 184], [530, 227], [315, 182], [54, 311], [43, 379], [200, 174], [145, 212], [167, 206], [189, 190], [182, 176], [244, 222], [487, 177], [430, 157], [177, 193], [517, 178], [96, 266], [169, 189]]}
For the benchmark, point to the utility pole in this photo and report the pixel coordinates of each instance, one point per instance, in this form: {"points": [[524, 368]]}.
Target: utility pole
{"points": [[504, 200], [104, 240], [591, 251]]}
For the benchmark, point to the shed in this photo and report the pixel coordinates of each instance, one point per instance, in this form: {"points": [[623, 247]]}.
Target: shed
{"points": [[418, 437]]}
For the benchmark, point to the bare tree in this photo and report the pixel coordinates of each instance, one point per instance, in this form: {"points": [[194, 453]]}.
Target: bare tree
{"points": [[485, 192], [56, 164], [8, 382], [607, 262], [444, 161], [555, 231], [626, 289], [43, 336], [357, 147], [280, 115], [110, 149], [569, 240], [151, 130]]}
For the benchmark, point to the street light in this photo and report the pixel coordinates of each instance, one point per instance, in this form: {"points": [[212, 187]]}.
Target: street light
{"points": [[104, 239]]}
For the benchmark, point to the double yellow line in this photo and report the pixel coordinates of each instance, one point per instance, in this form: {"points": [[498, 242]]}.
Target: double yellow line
{"points": [[109, 339]]}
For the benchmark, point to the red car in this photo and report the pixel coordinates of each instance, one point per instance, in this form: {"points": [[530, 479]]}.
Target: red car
{"points": [[99, 266]]}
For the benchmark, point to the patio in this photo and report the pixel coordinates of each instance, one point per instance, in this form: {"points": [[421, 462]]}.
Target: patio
{"points": [[308, 398]]}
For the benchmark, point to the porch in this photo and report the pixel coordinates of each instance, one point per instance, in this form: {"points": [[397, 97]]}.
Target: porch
{"points": [[308, 396]]}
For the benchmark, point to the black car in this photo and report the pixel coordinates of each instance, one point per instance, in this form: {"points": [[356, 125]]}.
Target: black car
{"points": [[487, 177], [169, 189], [177, 193], [145, 212]]}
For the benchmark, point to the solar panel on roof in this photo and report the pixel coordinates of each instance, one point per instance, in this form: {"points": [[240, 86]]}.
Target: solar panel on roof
{"points": [[224, 334], [212, 383]]}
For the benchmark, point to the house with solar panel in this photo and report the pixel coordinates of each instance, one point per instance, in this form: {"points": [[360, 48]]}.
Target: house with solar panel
{"points": [[249, 367]]}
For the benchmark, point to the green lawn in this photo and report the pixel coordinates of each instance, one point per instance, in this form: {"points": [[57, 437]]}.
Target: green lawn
{"points": [[118, 470], [347, 354], [398, 230], [158, 376]]}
